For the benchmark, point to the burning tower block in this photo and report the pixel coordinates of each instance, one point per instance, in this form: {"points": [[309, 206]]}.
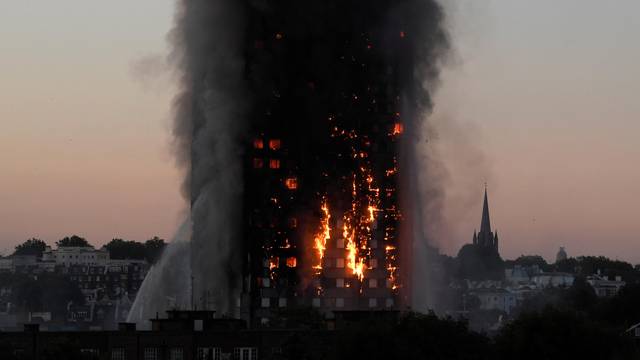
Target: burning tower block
{"points": [[322, 212]]}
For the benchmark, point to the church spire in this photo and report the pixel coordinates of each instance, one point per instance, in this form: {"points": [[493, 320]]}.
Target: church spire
{"points": [[485, 225]]}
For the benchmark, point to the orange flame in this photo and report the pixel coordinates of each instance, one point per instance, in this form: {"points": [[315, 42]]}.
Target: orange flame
{"points": [[324, 235]]}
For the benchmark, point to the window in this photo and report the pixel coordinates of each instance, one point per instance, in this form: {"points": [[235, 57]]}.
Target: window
{"points": [[258, 144], [340, 243], [245, 353], [389, 302], [118, 354], [176, 353], [373, 283], [339, 283], [274, 164], [90, 353], [398, 129], [340, 263], [373, 263], [340, 302], [151, 353], [208, 354], [275, 144], [258, 163], [282, 302], [265, 303], [291, 183], [373, 302], [389, 284], [315, 302], [292, 262]]}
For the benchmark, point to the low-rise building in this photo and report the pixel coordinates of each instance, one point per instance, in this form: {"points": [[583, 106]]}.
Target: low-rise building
{"points": [[554, 279], [495, 299], [76, 255], [605, 287]]}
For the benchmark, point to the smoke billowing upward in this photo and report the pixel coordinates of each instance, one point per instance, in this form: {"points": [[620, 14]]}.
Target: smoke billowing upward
{"points": [[247, 65]]}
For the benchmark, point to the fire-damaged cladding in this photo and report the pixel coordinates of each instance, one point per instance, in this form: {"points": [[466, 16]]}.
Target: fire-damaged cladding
{"points": [[321, 204]]}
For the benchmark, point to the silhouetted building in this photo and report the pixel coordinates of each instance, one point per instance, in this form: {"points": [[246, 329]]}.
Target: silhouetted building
{"points": [[181, 335], [486, 238]]}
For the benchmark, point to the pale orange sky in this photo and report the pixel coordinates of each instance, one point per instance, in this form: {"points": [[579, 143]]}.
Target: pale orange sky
{"points": [[540, 101]]}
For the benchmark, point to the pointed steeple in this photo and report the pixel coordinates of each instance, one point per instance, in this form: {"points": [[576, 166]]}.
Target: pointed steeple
{"points": [[485, 225]]}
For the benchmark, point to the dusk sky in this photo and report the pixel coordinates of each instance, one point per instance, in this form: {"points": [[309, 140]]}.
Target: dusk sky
{"points": [[539, 100]]}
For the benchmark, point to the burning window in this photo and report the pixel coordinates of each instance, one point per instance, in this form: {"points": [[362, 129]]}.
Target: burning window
{"points": [[258, 144], [291, 183], [398, 129], [275, 144], [292, 262], [258, 163], [274, 164], [340, 263]]}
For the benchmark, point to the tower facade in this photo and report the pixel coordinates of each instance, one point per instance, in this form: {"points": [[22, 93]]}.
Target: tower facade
{"points": [[486, 237], [321, 208]]}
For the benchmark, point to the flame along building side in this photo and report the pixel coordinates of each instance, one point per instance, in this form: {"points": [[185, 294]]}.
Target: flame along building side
{"points": [[321, 208]]}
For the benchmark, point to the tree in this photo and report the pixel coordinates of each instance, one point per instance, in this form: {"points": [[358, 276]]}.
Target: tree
{"points": [[126, 249], [153, 249], [73, 241], [31, 247], [560, 334], [479, 263], [532, 260]]}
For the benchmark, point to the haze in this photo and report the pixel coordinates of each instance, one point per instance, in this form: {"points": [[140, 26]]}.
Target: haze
{"points": [[540, 102]]}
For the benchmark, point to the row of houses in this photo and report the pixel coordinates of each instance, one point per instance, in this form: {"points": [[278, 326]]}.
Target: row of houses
{"points": [[109, 287], [523, 282]]}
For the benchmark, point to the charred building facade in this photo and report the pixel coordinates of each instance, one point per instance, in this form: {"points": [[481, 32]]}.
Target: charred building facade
{"points": [[321, 203]]}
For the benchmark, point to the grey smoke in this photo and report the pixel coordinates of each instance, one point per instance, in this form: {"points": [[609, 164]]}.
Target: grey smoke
{"points": [[207, 44]]}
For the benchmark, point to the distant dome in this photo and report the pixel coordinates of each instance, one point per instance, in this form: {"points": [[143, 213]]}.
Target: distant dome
{"points": [[562, 255]]}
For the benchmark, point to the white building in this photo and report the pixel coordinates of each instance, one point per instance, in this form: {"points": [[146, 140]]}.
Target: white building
{"points": [[76, 255], [496, 299], [604, 287], [554, 279]]}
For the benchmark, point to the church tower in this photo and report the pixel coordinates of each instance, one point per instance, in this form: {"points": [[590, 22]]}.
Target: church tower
{"points": [[486, 237]]}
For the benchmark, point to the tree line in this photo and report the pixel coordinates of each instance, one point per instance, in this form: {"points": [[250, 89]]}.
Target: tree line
{"points": [[149, 250]]}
